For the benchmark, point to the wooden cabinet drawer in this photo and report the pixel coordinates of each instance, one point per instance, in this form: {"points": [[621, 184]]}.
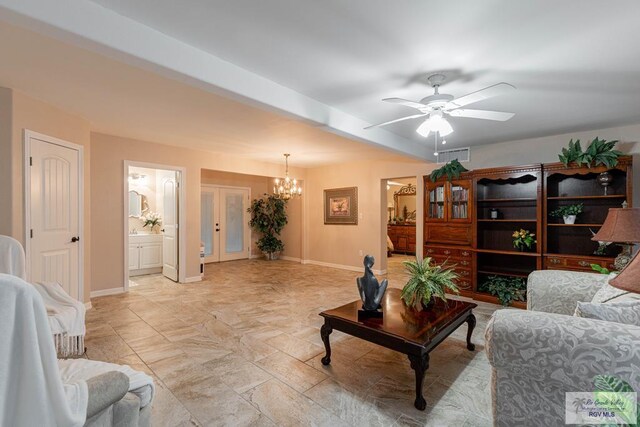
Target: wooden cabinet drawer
{"points": [[452, 234], [464, 284], [576, 263]]}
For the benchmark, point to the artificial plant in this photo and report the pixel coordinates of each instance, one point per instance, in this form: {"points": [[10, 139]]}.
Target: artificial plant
{"points": [[268, 217], [563, 211], [452, 170], [523, 239], [599, 152], [506, 288], [426, 281]]}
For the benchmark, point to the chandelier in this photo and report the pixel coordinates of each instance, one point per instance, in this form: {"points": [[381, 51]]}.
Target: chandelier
{"points": [[286, 188]]}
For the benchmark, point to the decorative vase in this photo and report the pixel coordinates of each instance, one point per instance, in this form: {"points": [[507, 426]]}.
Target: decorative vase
{"points": [[605, 179], [270, 256], [569, 219]]}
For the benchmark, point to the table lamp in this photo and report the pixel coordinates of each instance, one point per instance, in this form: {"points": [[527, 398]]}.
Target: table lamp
{"points": [[622, 226]]}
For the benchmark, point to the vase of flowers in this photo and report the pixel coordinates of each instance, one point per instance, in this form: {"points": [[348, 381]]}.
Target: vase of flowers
{"points": [[523, 240], [568, 213], [153, 220]]}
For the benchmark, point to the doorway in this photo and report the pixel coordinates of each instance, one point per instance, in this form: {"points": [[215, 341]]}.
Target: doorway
{"points": [[154, 217], [54, 203], [225, 230], [401, 215]]}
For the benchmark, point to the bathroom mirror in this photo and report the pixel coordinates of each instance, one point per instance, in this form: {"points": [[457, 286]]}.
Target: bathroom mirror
{"points": [[137, 204], [405, 203]]}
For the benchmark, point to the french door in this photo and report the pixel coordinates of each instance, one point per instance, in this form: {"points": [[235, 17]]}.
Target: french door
{"points": [[54, 213], [225, 223]]}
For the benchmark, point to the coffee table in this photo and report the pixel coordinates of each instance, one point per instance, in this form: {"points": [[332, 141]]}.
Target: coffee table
{"points": [[403, 329]]}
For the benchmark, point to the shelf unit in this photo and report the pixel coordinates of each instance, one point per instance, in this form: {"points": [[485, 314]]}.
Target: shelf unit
{"points": [[516, 194], [523, 196], [568, 246]]}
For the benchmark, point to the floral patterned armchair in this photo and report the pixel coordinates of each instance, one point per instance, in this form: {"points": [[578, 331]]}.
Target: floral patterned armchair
{"points": [[540, 354]]}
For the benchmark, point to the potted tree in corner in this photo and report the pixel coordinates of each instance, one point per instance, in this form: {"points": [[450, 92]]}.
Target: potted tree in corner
{"points": [[268, 217]]}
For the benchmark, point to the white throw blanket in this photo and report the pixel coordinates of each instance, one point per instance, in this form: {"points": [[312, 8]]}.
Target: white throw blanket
{"points": [[140, 383], [66, 315], [12, 257], [32, 392]]}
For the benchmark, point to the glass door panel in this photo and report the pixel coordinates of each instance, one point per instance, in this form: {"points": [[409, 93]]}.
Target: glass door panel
{"points": [[234, 219], [206, 222], [436, 202], [460, 201]]}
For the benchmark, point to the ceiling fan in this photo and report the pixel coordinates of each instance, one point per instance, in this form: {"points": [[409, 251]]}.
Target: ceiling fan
{"points": [[435, 107]]}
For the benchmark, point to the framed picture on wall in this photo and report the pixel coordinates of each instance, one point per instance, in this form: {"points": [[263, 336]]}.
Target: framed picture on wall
{"points": [[341, 206]]}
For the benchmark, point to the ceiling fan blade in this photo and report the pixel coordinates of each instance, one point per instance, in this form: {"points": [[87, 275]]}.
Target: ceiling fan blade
{"points": [[415, 116], [405, 102], [487, 92], [498, 116]]}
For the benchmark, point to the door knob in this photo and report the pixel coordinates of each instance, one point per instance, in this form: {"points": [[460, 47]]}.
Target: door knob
{"points": [[75, 239], [162, 230]]}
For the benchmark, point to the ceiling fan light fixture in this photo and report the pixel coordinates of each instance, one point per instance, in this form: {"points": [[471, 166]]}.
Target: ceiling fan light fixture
{"points": [[435, 123]]}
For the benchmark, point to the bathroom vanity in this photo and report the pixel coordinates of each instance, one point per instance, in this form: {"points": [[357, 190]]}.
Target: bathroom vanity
{"points": [[145, 254]]}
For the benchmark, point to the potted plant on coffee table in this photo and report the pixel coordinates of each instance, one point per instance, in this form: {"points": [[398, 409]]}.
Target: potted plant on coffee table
{"points": [[268, 217], [426, 282], [568, 213]]}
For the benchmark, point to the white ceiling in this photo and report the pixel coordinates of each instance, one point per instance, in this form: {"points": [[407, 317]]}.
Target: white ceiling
{"points": [[261, 78], [127, 101], [575, 62]]}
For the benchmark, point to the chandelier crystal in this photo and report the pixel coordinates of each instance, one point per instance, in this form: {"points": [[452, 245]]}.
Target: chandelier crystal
{"points": [[288, 187]]}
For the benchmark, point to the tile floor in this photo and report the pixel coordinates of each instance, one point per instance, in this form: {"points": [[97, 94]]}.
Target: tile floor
{"points": [[243, 348]]}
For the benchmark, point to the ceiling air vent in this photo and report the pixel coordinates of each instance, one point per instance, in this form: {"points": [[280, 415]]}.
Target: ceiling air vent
{"points": [[461, 154]]}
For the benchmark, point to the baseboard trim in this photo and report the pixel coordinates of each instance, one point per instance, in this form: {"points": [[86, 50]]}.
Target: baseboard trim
{"points": [[254, 256], [105, 292], [340, 266], [290, 258], [193, 279]]}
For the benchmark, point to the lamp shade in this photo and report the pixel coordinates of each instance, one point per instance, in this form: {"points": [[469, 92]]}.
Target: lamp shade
{"points": [[629, 278], [621, 226]]}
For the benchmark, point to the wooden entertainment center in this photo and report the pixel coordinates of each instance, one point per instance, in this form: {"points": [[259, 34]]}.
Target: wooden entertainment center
{"points": [[470, 221]]}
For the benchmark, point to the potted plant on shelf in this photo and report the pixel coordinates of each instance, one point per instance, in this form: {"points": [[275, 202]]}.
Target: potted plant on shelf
{"points": [[506, 288], [599, 152], [268, 217], [523, 239], [568, 213], [426, 282], [452, 170]]}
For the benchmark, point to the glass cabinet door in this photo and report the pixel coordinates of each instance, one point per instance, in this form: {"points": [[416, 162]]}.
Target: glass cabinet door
{"points": [[460, 201], [436, 202]]}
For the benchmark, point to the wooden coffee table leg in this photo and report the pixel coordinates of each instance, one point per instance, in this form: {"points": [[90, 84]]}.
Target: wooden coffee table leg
{"points": [[325, 331], [419, 364], [471, 321]]}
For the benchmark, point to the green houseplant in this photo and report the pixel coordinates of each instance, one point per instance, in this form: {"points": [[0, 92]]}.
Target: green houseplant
{"points": [[506, 288], [599, 152], [268, 217], [568, 213], [427, 281], [523, 239], [452, 170]]}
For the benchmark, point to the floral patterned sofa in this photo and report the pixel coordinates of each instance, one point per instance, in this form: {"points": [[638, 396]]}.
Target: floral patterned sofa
{"points": [[540, 354]]}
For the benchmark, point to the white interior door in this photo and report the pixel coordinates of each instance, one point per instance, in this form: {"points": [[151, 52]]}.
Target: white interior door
{"points": [[225, 228], [170, 225], [210, 223], [235, 238], [54, 215]]}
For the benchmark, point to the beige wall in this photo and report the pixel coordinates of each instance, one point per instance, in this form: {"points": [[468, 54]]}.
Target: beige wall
{"points": [[30, 114], [341, 244], [6, 145], [107, 206]]}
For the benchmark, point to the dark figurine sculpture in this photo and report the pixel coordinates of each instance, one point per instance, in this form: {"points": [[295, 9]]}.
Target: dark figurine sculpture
{"points": [[371, 291]]}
